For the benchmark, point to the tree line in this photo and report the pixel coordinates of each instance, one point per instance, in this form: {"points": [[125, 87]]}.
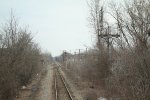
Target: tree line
{"points": [[128, 67], [20, 58], [121, 63]]}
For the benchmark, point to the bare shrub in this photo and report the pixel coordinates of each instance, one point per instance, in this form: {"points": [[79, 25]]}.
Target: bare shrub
{"points": [[131, 71], [130, 76], [19, 59]]}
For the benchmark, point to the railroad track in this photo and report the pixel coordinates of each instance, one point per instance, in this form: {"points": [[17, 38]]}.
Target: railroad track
{"points": [[61, 90]]}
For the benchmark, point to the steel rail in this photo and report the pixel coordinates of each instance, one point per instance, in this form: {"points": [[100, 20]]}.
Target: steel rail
{"points": [[64, 82], [56, 92]]}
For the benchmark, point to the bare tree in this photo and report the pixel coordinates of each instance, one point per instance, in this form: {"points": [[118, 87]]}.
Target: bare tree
{"points": [[19, 59], [130, 74]]}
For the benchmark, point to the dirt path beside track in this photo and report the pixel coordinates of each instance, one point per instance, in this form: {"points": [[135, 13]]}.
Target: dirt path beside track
{"points": [[46, 89]]}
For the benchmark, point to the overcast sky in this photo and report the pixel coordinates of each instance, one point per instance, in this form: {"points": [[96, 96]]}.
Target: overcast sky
{"points": [[57, 24]]}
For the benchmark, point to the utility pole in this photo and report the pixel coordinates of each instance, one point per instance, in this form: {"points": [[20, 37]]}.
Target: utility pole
{"points": [[79, 54], [74, 56], [64, 55], [100, 23], [79, 51], [108, 36], [86, 50]]}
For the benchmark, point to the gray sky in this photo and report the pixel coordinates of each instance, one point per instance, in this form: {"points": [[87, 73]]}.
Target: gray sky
{"points": [[58, 24]]}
